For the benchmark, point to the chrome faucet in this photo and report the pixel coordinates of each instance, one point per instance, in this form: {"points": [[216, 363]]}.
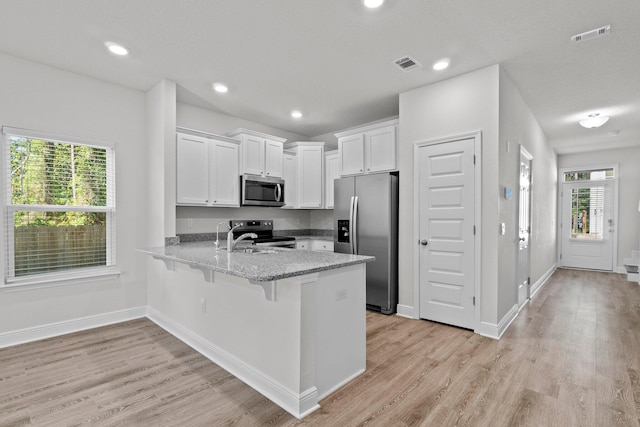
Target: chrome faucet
{"points": [[217, 242], [232, 243]]}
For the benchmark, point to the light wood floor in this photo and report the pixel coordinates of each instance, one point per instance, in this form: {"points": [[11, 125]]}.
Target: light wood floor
{"points": [[571, 358]]}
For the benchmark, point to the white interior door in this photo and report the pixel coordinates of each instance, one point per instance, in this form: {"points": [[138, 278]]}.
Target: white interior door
{"points": [[587, 225], [446, 194], [524, 228]]}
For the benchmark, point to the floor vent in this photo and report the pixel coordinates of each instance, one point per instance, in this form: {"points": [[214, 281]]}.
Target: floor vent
{"points": [[598, 32], [407, 63]]}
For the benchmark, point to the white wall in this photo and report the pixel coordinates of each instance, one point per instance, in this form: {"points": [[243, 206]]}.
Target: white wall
{"points": [[629, 191], [463, 104], [47, 99], [519, 127]]}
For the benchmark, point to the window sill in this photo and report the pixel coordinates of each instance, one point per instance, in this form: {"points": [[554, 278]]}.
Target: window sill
{"points": [[59, 279]]}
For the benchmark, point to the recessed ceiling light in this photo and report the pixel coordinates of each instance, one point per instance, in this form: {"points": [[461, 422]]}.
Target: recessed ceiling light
{"points": [[372, 4], [441, 64], [594, 120], [296, 114], [117, 49], [220, 88]]}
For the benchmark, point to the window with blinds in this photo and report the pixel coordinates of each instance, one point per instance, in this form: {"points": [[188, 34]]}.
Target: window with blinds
{"points": [[60, 206]]}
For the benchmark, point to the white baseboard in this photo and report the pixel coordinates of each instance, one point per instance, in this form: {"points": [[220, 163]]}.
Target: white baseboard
{"points": [[297, 404], [406, 311], [542, 280], [36, 333], [494, 331]]}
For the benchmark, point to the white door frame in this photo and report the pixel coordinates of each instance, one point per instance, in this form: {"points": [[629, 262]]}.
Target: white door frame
{"points": [[477, 137], [614, 215], [525, 153]]}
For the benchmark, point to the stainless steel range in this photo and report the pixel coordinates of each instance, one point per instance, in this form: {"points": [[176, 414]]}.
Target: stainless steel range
{"points": [[264, 229]]}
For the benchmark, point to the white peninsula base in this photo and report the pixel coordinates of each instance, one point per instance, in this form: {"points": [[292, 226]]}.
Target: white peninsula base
{"points": [[295, 349]]}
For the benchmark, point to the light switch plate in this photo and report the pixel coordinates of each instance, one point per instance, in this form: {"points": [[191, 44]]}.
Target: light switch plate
{"points": [[503, 228]]}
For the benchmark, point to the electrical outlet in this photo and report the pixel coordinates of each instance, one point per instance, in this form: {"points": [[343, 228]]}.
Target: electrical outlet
{"points": [[203, 305], [190, 222]]}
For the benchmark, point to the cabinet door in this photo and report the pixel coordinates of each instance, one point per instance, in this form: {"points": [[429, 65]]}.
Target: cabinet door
{"points": [[289, 180], [332, 171], [192, 170], [224, 171], [252, 155], [351, 149], [380, 149], [310, 173], [273, 159]]}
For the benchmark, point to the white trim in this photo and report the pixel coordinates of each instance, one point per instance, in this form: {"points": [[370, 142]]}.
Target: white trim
{"points": [[406, 311], [297, 404], [69, 277], [542, 280], [491, 330], [21, 336], [49, 136], [339, 385], [477, 137]]}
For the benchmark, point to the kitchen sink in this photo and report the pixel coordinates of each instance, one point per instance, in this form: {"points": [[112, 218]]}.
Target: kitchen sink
{"points": [[252, 250]]}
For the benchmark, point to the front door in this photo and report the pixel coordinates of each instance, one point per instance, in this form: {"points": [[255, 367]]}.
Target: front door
{"points": [[524, 227], [446, 199], [587, 225]]}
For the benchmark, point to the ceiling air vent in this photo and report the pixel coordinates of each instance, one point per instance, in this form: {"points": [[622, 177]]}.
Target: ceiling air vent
{"points": [[598, 32], [407, 63]]}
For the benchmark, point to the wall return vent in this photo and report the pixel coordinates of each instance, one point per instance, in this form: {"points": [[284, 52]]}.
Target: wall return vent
{"points": [[598, 32], [407, 63]]}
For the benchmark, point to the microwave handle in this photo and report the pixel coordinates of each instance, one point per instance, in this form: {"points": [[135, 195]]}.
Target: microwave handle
{"points": [[278, 192]]}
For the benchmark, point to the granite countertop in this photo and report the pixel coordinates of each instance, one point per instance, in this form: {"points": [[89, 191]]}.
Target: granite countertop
{"points": [[277, 263]]}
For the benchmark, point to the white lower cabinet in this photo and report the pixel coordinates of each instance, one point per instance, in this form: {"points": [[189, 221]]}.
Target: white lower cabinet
{"points": [[321, 245], [314, 245], [207, 170]]}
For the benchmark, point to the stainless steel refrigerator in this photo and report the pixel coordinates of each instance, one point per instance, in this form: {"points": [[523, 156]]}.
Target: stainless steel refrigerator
{"points": [[365, 217]]}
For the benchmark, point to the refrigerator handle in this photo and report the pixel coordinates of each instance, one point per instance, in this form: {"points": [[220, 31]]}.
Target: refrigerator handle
{"points": [[354, 236], [351, 235]]}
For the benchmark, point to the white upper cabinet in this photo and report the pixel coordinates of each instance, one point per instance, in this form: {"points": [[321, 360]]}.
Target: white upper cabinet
{"points": [[309, 174], [207, 170], [260, 154], [192, 170], [368, 149], [331, 172], [289, 167]]}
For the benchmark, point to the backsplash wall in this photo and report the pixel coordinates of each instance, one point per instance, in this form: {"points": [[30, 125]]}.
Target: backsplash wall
{"points": [[191, 220]]}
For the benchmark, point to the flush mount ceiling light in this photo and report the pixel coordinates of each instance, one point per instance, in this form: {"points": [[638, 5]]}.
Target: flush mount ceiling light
{"points": [[220, 87], [594, 121], [296, 114], [372, 4], [441, 64], [117, 49]]}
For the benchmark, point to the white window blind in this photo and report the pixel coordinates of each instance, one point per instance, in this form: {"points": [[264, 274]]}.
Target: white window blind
{"points": [[59, 206]]}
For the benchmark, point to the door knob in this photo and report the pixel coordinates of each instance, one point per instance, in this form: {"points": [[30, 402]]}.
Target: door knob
{"points": [[424, 242]]}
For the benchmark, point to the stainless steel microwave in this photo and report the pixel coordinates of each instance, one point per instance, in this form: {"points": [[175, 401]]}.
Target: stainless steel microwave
{"points": [[261, 191]]}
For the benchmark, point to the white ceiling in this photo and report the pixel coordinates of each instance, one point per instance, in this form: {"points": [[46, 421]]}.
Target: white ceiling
{"points": [[332, 59]]}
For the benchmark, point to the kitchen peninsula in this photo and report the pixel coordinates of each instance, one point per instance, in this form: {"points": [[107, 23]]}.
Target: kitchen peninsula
{"points": [[289, 323]]}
